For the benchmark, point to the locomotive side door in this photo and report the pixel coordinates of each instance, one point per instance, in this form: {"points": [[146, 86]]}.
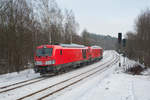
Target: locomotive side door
{"points": [[84, 54], [61, 56], [89, 53]]}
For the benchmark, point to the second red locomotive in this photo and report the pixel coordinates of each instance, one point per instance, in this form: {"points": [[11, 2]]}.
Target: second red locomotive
{"points": [[54, 58]]}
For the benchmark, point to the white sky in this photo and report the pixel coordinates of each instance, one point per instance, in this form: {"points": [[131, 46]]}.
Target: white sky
{"points": [[107, 17]]}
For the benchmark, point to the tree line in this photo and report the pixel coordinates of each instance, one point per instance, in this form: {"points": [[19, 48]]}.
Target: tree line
{"points": [[106, 42], [26, 24], [138, 42]]}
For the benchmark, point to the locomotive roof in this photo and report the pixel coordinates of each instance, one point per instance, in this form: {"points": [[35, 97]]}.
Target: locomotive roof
{"points": [[96, 47], [72, 45], [64, 45], [47, 46]]}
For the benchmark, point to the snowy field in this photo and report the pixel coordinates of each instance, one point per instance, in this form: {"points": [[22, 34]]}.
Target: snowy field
{"points": [[112, 84]]}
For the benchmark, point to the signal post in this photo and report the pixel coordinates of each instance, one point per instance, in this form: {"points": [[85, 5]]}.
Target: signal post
{"points": [[121, 43]]}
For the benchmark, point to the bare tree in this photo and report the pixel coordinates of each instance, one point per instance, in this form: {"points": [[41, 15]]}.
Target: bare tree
{"points": [[52, 20], [138, 42], [18, 25], [22, 28], [70, 26], [86, 38]]}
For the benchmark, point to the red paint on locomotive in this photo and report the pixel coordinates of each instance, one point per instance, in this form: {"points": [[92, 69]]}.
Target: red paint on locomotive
{"points": [[54, 57]]}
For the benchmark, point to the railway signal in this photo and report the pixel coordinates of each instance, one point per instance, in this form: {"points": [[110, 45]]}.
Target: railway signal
{"points": [[124, 42], [119, 38], [119, 41]]}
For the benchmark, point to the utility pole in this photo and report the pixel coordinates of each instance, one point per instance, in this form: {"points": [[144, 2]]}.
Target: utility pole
{"points": [[49, 37], [70, 37], [49, 30]]}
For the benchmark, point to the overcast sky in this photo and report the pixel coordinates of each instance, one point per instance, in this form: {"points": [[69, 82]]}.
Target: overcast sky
{"points": [[106, 17]]}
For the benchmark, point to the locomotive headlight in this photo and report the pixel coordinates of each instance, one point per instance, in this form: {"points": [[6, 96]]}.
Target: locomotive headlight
{"points": [[50, 62], [38, 63], [53, 61]]}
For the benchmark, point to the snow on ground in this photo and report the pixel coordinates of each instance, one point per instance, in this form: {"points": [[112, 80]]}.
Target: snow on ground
{"points": [[113, 87], [15, 77], [146, 72], [113, 84], [40, 85]]}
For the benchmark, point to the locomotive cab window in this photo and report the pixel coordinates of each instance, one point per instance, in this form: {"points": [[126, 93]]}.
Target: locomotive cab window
{"points": [[44, 52]]}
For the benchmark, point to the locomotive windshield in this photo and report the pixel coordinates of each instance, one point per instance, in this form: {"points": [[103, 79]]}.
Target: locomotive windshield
{"points": [[44, 52]]}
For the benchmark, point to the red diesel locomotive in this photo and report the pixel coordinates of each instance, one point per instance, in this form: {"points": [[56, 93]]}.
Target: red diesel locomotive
{"points": [[54, 58]]}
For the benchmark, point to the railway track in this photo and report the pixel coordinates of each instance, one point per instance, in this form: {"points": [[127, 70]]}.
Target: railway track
{"points": [[20, 84], [17, 85], [52, 89]]}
